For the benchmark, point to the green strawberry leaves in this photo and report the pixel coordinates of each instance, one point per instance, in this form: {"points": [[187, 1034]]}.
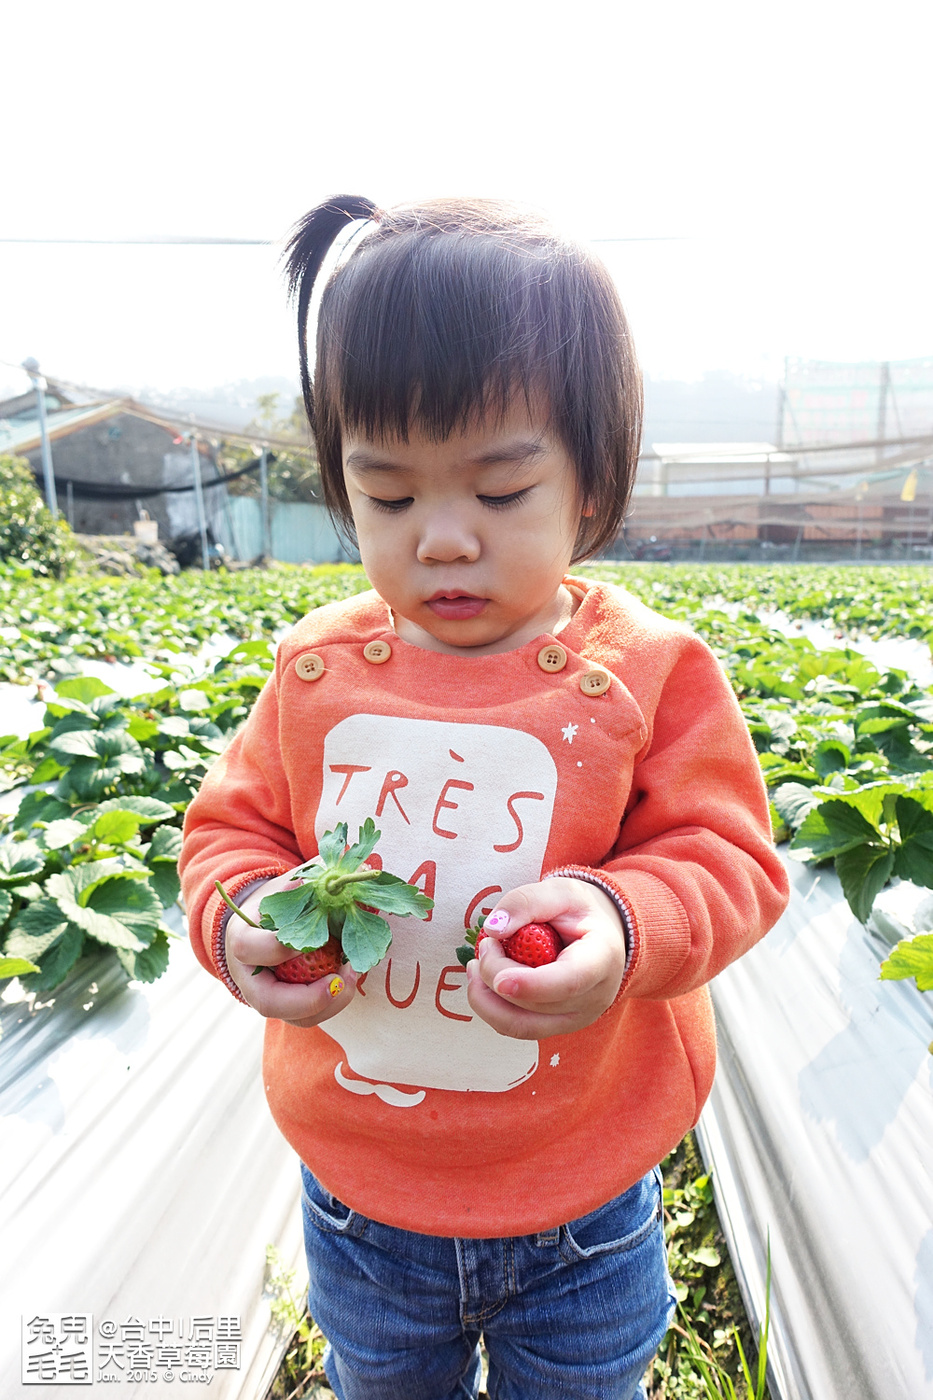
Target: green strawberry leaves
{"points": [[340, 896], [365, 938], [913, 957]]}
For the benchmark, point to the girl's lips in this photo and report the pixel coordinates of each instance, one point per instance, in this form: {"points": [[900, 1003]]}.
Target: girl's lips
{"points": [[456, 607]]}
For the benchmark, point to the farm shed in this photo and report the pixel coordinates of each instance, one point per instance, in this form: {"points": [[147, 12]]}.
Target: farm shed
{"points": [[833, 497], [104, 448], [114, 457]]}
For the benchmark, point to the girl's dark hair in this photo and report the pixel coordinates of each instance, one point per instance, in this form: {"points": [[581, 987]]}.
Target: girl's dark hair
{"points": [[446, 310]]}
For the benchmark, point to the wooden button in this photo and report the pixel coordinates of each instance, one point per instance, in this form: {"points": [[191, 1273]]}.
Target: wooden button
{"points": [[552, 658], [595, 682], [309, 667], [377, 652]]}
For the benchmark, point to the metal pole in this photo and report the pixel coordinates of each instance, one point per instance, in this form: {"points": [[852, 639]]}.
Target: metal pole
{"points": [[31, 366], [199, 503], [264, 498], [884, 380]]}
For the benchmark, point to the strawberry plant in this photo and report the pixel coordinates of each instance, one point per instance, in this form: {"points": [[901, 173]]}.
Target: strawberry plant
{"points": [[871, 834], [340, 899]]}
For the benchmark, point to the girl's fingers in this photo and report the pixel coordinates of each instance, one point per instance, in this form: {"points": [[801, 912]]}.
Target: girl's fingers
{"points": [[516, 1021], [256, 946], [582, 967], [301, 1004]]}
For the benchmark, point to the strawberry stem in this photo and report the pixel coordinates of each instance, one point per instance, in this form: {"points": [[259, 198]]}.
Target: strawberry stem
{"points": [[235, 907], [335, 883]]}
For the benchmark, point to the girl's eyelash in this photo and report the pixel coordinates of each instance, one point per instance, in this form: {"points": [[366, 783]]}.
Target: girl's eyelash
{"points": [[391, 507], [503, 502], [494, 502]]}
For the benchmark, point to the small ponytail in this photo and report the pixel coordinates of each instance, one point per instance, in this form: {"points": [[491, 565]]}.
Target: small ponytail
{"points": [[305, 252]]}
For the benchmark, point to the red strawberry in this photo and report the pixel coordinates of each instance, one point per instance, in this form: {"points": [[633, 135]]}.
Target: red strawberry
{"points": [[311, 965], [533, 944]]}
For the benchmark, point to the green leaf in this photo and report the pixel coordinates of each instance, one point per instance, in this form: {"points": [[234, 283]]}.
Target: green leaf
{"points": [[165, 882], [831, 756], [793, 801], [246, 651], [6, 904], [365, 845], [311, 930], [15, 967], [142, 729], [74, 890], [286, 906], [863, 872], [132, 901], [194, 700], [149, 963], [20, 861], [332, 844], [912, 957], [914, 857], [72, 719], [115, 828], [83, 688], [707, 1256], [365, 938], [57, 961], [39, 807], [393, 896], [62, 832], [174, 727], [780, 831], [75, 743], [146, 809], [40, 920], [48, 769], [165, 844], [830, 829]]}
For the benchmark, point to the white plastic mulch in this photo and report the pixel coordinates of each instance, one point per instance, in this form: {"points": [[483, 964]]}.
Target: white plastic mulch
{"points": [[141, 1175], [819, 1133]]}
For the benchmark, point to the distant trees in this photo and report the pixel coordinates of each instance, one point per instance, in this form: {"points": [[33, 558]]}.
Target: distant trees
{"points": [[293, 471], [30, 536]]}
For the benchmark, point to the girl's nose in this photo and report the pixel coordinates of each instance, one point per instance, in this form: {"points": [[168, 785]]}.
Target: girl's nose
{"points": [[447, 536]]}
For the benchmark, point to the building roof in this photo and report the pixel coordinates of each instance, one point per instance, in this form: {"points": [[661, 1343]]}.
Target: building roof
{"points": [[21, 433]]}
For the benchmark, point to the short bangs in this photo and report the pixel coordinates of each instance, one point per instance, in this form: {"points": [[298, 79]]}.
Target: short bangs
{"points": [[447, 312]]}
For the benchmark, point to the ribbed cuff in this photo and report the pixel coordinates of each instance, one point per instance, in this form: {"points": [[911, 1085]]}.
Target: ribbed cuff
{"points": [[238, 889], [603, 881]]}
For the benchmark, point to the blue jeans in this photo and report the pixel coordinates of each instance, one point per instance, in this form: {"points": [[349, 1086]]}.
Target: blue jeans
{"points": [[573, 1313]]}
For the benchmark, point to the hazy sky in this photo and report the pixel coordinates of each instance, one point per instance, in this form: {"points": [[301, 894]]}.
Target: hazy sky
{"points": [[779, 153]]}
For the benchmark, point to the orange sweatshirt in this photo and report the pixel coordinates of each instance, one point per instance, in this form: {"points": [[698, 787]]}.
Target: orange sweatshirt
{"points": [[616, 749]]}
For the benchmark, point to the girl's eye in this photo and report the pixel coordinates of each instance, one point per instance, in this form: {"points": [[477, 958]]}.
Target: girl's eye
{"points": [[503, 502], [391, 507]]}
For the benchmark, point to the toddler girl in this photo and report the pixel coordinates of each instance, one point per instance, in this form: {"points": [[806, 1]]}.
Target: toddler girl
{"points": [[479, 1145]]}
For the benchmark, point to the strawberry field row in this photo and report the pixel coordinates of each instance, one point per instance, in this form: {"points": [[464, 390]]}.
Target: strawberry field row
{"points": [[846, 748]]}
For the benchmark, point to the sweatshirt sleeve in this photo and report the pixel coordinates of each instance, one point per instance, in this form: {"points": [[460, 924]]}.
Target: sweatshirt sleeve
{"points": [[694, 870], [237, 829]]}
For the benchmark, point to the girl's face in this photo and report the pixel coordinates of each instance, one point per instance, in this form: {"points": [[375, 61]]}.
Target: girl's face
{"points": [[468, 539]]}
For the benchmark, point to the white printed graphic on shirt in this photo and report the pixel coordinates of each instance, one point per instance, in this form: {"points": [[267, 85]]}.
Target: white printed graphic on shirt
{"points": [[464, 811]]}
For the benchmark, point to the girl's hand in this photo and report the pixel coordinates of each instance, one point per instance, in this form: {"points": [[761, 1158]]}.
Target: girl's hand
{"points": [[531, 1003], [248, 948]]}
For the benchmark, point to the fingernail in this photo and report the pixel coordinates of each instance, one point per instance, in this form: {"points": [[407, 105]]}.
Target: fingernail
{"points": [[336, 986], [482, 948], [499, 921]]}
